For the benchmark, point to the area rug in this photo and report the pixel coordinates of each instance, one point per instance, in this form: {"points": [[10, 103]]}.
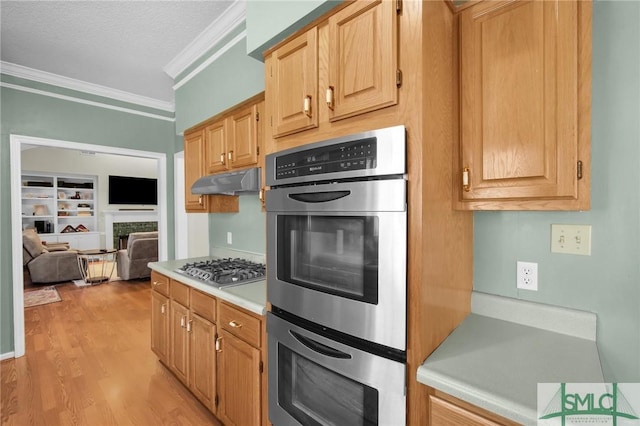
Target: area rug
{"points": [[42, 296]]}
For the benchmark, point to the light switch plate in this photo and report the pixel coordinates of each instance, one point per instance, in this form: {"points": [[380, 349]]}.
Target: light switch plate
{"points": [[571, 239]]}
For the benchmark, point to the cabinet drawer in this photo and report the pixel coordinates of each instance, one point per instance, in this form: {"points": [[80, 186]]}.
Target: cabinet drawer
{"points": [[203, 305], [446, 413], [160, 283], [240, 324], [180, 293]]}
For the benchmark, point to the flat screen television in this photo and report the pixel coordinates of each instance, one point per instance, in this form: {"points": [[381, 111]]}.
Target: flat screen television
{"points": [[133, 190]]}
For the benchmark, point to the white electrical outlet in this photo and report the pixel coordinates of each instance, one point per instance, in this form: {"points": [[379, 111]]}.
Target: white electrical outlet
{"points": [[527, 276], [571, 239], [229, 238]]}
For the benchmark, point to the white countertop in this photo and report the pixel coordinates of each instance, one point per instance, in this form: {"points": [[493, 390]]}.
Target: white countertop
{"points": [[505, 347], [251, 296]]}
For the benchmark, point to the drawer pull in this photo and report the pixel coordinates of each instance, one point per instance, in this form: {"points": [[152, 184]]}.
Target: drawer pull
{"points": [[189, 326], [235, 324], [156, 283], [222, 158], [182, 321], [218, 346], [162, 309]]}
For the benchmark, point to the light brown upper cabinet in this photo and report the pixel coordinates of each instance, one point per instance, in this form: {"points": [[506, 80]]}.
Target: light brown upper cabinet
{"points": [[346, 65], [228, 141], [232, 142], [295, 84], [194, 170], [363, 59], [525, 106]]}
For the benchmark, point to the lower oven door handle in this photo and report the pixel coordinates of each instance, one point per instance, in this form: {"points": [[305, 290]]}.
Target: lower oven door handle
{"points": [[319, 197], [319, 347]]}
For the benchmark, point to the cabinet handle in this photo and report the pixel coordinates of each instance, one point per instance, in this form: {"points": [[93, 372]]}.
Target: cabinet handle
{"points": [[189, 326], [307, 105], [465, 179], [222, 158], [162, 309], [235, 324], [218, 346], [230, 155], [156, 283], [183, 319], [261, 194], [200, 200], [329, 97]]}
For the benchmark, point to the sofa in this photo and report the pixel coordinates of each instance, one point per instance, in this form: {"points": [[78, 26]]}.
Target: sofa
{"points": [[142, 248], [48, 263]]}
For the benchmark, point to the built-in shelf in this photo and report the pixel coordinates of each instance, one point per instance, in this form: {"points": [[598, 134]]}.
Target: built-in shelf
{"points": [[55, 204]]}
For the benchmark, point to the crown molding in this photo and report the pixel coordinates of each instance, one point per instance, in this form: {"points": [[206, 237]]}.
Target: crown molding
{"points": [[230, 19], [210, 60], [84, 101], [83, 86]]}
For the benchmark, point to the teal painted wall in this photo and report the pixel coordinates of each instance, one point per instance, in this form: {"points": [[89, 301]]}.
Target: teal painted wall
{"points": [[269, 22], [42, 116], [247, 226], [608, 281], [229, 80]]}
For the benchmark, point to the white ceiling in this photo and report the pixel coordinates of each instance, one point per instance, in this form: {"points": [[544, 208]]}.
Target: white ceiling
{"points": [[122, 45]]}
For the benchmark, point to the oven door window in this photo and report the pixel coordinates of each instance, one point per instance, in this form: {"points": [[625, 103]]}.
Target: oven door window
{"points": [[332, 254], [315, 395]]}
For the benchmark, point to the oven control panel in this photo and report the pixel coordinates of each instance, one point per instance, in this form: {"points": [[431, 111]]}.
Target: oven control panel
{"points": [[342, 157]]}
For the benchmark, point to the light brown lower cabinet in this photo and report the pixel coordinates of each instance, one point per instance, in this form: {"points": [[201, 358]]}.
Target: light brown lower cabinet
{"points": [[179, 342], [202, 380], [213, 348], [160, 326], [239, 382], [240, 372], [445, 410]]}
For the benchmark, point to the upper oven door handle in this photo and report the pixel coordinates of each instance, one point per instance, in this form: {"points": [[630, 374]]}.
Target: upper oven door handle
{"points": [[319, 347], [319, 197]]}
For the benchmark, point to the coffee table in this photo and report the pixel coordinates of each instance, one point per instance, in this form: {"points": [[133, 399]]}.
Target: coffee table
{"points": [[96, 275]]}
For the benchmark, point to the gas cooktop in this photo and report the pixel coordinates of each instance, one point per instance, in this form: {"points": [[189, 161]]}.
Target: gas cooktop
{"points": [[224, 272]]}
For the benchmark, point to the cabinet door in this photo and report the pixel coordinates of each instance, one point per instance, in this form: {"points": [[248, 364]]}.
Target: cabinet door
{"points": [[179, 343], [522, 112], [160, 326], [363, 58], [239, 382], [243, 135], [216, 147], [294, 75], [194, 155], [203, 360]]}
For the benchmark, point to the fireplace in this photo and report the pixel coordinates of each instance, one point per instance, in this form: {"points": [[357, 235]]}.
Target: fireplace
{"points": [[121, 231], [120, 223]]}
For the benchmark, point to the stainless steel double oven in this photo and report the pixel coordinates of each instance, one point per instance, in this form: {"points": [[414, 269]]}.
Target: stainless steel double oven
{"points": [[336, 269]]}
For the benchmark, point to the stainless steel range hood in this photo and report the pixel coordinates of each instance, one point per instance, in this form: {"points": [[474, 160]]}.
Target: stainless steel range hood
{"points": [[229, 183]]}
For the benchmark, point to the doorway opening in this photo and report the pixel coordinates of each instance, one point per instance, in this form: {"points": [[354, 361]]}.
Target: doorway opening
{"points": [[17, 142]]}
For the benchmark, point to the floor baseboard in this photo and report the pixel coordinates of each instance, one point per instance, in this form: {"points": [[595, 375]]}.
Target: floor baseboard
{"points": [[7, 355]]}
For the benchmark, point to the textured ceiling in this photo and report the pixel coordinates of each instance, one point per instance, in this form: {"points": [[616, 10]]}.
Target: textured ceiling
{"points": [[122, 45]]}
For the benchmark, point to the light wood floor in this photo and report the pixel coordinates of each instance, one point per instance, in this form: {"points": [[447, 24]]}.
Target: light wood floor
{"points": [[88, 362]]}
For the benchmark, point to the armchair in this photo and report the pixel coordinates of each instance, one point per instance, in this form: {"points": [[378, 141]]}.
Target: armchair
{"points": [[48, 264], [142, 248]]}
